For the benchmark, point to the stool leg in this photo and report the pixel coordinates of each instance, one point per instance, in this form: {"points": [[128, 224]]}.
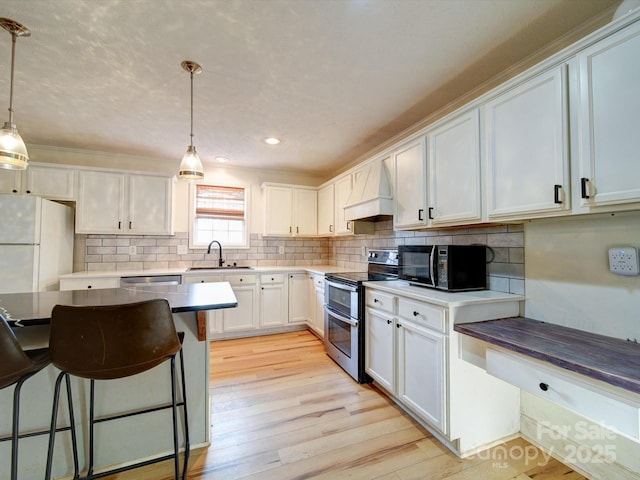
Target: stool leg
{"points": [[16, 430], [92, 397], [187, 445], [174, 412], [54, 421]]}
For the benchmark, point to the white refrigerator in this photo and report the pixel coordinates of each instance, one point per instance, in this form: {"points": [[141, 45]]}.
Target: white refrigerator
{"points": [[36, 243]]}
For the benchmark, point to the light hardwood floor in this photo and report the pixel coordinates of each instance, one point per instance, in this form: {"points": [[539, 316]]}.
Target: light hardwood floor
{"points": [[282, 410]]}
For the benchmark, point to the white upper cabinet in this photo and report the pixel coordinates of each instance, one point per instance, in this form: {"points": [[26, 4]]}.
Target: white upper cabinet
{"points": [[290, 211], [410, 185], [111, 202], [43, 180], [454, 171], [343, 188], [526, 149], [609, 123], [326, 210]]}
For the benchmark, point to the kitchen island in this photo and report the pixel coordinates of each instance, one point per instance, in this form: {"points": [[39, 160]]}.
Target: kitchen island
{"points": [[130, 439]]}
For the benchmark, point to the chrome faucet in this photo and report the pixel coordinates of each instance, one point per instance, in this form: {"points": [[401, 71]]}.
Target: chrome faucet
{"points": [[220, 259]]}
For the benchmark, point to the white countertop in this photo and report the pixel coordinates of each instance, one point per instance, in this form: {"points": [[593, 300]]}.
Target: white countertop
{"points": [[439, 297], [319, 269]]}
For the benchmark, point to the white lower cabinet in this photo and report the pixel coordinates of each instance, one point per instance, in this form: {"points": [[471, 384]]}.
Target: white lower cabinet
{"points": [[422, 389], [298, 297], [245, 315], [413, 353], [89, 283], [316, 304], [273, 300]]}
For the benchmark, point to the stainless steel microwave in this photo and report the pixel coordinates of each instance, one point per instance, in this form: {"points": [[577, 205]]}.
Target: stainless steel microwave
{"points": [[454, 268]]}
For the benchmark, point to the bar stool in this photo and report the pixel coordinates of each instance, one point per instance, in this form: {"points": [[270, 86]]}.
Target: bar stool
{"points": [[16, 366], [111, 342]]}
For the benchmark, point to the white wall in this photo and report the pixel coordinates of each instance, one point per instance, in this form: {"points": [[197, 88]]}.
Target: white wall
{"points": [[567, 276]]}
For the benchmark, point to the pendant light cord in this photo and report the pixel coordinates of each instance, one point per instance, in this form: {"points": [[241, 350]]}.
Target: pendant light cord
{"points": [[191, 73], [13, 57]]}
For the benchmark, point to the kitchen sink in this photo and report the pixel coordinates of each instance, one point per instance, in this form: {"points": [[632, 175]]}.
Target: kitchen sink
{"points": [[228, 267]]}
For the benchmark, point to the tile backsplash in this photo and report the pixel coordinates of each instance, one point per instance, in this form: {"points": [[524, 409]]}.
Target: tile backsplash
{"points": [[114, 252]]}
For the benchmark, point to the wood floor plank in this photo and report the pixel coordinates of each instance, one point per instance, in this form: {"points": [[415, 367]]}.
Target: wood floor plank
{"points": [[282, 410]]}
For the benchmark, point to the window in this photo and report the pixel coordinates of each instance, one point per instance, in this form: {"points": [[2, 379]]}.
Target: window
{"points": [[220, 213]]}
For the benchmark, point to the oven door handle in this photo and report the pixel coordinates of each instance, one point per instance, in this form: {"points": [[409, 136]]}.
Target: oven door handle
{"points": [[341, 286], [350, 321]]}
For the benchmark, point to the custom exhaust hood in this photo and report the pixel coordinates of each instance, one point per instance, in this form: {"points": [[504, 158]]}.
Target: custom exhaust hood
{"points": [[371, 198]]}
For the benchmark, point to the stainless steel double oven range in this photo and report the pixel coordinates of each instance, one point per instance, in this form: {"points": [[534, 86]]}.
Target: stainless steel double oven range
{"points": [[344, 311]]}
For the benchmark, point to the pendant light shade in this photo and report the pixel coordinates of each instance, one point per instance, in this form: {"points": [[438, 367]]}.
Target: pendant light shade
{"points": [[13, 151], [191, 166]]}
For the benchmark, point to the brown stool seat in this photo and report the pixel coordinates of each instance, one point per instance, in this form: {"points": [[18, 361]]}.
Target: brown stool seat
{"points": [[111, 342], [16, 366]]}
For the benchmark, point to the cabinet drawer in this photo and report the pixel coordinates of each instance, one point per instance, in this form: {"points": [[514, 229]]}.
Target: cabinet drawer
{"points": [[240, 279], [567, 389], [318, 281], [266, 279], [201, 278], [380, 300], [422, 314], [89, 283]]}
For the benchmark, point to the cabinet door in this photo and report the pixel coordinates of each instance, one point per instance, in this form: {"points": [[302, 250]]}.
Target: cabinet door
{"points": [[454, 161], [326, 210], [298, 297], [150, 200], [608, 122], [411, 185], [243, 317], [10, 180], [278, 210], [527, 168], [421, 372], [273, 305], [56, 183], [343, 188], [379, 348], [318, 312], [305, 208], [100, 205]]}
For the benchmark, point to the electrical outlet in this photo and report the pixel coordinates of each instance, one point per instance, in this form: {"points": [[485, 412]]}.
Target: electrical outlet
{"points": [[133, 250], [182, 249], [281, 249], [623, 261]]}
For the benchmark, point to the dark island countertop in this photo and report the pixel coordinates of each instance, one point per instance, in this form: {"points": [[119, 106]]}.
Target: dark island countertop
{"points": [[611, 360], [34, 308]]}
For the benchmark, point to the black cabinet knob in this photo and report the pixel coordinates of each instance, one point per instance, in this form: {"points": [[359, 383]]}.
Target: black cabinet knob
{"points": [[544, 387], [388, 322], [398, 325], [415, 314], [375, 300]]}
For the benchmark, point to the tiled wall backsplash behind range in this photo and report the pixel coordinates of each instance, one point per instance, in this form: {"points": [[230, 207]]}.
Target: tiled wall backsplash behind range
{"points": [[112, 252]]}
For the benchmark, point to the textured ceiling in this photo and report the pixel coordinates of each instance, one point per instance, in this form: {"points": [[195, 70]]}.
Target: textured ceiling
{"points": [[331, 78]]}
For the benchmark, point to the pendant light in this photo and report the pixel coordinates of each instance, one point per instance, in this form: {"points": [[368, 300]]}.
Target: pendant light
{"points": [[13, 152], [191, 166]]}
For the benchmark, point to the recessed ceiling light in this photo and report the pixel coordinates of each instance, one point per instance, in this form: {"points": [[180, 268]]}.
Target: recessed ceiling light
{"points": [[272, 141], [222, 159]]}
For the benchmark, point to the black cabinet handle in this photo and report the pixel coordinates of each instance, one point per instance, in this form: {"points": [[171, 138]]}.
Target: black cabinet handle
{"points": [[375, 300], [556, 194], [297, 229], [584, 193], [420, 212], [88, 286], [544, 387], [430, 213], [290, 230], [330, 228], [415, 314], [349, 225], [130, 225], [388, 322], [14, 191], [28, 191], [119, 225], [398, 325]]}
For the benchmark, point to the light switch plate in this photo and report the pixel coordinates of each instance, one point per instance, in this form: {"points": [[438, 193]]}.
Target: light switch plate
{"points": [[623, 261]]}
